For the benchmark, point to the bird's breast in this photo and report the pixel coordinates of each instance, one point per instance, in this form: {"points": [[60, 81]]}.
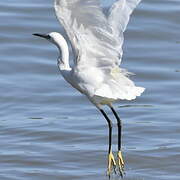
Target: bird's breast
{"points": [[88, 79]]}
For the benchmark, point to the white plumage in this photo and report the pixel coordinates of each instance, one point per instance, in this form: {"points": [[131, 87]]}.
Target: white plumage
{"points": [[97, 43]]}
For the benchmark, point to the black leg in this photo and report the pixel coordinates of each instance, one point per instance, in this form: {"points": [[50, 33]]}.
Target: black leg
{"points": [[110, 129], [119, 155], [119, 124], [111, 159]]}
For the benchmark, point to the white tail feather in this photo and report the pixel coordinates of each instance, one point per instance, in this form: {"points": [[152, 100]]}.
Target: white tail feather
{"points": [[118, 86]]}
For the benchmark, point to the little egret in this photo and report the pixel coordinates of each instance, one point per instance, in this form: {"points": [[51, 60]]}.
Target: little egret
{"points": [[96, 40]]}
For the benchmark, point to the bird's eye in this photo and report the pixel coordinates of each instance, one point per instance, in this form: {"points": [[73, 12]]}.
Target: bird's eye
{"points": [[48, 37]]}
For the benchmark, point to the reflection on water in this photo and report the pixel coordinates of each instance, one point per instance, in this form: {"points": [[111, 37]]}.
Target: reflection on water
{"points": [[35, 118], [50, 131], [136, 106]]}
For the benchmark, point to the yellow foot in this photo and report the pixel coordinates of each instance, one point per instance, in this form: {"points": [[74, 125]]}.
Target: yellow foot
{"points": [[120, 163], [111, 163]]}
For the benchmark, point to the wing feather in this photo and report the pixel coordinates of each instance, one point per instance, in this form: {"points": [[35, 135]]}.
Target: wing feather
{"points": [[96, 39], [119, 16]]}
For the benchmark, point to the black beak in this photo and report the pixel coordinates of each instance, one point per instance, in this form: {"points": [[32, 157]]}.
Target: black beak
{"points": [[42, 35]]}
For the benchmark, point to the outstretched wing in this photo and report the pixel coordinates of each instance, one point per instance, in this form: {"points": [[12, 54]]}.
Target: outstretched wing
{"points": [[119, 16], [96, 39]]}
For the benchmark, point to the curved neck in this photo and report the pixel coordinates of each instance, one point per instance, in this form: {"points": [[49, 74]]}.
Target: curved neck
{"points": [[63, 61]]}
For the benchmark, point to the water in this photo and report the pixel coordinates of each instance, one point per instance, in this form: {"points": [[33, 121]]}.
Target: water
{"points": [[50, 131]]}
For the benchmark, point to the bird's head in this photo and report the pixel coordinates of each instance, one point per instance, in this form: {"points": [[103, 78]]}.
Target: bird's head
{"points": [[60, 42], [53, 37]]}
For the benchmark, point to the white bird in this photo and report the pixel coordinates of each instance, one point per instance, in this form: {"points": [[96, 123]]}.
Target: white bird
{"points": [[96, 40]]}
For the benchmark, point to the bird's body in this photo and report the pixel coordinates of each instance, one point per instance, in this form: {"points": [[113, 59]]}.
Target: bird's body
{"points": [[102, 88], [100, 85], [96, 40]]}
